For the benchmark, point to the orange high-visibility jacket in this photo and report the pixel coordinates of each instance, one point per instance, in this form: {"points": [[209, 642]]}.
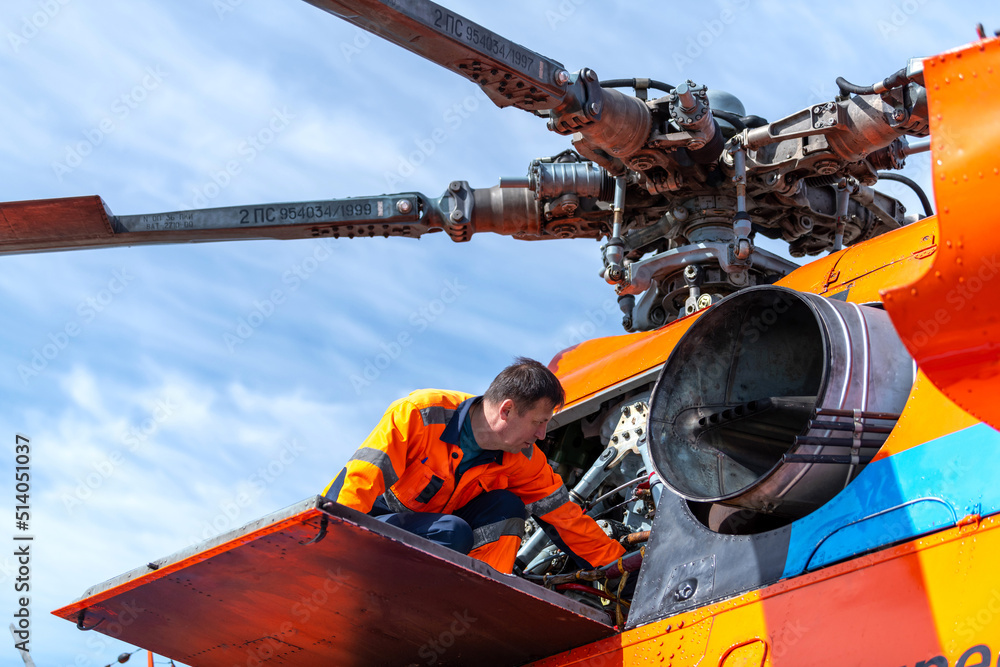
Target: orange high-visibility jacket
{"points": [[412, 456]]}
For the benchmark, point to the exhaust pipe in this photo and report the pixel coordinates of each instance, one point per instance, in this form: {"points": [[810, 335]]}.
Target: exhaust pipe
{"points": [[774, 400]]}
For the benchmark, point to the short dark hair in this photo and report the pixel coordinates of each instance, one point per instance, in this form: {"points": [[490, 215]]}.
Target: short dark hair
{"points": [[525, 382]]}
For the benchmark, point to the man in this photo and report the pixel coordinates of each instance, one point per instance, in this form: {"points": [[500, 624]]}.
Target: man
{"points": [[464, 471]]}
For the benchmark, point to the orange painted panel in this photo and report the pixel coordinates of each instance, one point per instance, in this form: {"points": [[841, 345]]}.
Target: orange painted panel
{"points": [[865, 269], [603, 362], [928, 414], [948, 317], [936, 596]]}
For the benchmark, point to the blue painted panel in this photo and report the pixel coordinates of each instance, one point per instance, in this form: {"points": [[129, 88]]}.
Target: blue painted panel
{"points": [[912, 493]]}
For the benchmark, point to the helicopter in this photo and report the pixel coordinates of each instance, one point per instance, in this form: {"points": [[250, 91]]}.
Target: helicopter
{"points": [[585, 319]]}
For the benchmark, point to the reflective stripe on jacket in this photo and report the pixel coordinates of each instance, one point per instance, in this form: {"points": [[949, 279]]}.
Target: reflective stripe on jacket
{"points": [[412, 456]]}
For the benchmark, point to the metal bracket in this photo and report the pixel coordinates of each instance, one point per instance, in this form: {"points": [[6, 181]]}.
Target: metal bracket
{"points": [[629, 436], [584, 102], [456, 207], [859, 429]]}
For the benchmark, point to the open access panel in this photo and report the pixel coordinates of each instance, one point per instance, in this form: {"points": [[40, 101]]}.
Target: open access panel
{"points": [[321, 584]]}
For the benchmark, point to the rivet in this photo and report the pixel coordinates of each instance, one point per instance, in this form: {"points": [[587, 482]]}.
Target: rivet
{"points": [[913, 292]]}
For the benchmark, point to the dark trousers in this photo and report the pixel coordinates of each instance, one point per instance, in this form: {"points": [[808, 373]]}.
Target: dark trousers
{"points": [[455, 531]]}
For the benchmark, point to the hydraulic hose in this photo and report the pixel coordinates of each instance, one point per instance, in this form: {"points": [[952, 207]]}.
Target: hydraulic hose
{"points": [[635, 83], [893, 81], [910, 183]]}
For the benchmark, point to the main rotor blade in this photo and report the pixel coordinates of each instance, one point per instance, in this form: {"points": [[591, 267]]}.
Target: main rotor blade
{"points": [[509, 74], [85, 222]]}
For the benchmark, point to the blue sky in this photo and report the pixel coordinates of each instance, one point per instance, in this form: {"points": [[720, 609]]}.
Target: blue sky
{"points": [[149, 421]]}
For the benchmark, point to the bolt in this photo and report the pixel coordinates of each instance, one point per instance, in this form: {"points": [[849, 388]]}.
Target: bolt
{"points": [[454, 186], [899, 114], [818, 125], [456, 215], [684, 591], [830, 122], [404, 206], [593, 108], [562, 77]]}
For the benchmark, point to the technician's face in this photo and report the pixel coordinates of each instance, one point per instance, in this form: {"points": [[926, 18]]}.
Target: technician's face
{"points": [[520, 431]]}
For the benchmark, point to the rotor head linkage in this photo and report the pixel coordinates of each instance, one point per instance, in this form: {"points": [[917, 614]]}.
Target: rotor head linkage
{"points": [[614, 251]]}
